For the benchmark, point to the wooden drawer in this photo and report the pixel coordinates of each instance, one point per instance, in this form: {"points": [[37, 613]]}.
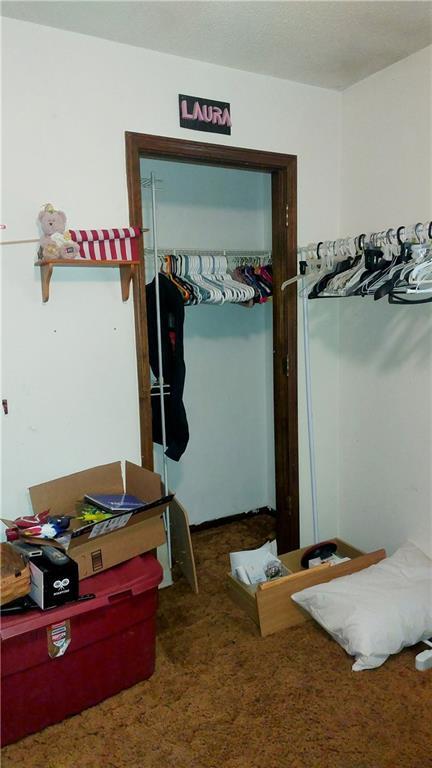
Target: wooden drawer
{"points": [[270, 605]]}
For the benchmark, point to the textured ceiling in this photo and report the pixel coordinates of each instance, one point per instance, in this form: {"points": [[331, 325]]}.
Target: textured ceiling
{"points": [[329, 44]]}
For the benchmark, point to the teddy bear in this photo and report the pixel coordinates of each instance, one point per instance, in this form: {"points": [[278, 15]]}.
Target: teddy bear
{"points": [[56, 241]]}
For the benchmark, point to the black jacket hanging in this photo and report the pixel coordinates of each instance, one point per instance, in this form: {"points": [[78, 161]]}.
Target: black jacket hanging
{"points": [[174, 369]]}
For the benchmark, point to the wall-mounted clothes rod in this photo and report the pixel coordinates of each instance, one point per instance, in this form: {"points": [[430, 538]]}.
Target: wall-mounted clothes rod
{"points": [[216, 279], [230, 254], [18, 242], [391, 263]]}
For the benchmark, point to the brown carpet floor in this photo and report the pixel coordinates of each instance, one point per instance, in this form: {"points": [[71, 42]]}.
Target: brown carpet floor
{"points": [[222, 697]]}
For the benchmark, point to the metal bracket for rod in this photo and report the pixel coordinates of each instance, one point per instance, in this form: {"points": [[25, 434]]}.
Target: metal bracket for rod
{"points": [[149, 181]]}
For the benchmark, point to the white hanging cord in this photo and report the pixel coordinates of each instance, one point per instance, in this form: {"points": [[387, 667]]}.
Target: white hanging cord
{"points": [[311, 436], [160, 361]]}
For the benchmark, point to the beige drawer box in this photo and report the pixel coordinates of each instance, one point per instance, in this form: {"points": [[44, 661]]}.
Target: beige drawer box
{"points": [[270, 605]]}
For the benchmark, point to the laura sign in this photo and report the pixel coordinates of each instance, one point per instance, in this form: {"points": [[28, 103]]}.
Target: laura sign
{"points": [[204, 114]]}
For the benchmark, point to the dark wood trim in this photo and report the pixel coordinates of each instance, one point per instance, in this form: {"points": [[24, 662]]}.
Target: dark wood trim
{"points": [[284, 212], [209, 154], [284, 222]]}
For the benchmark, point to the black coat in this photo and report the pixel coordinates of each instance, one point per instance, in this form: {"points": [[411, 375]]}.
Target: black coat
{"points": [[174, 369]]}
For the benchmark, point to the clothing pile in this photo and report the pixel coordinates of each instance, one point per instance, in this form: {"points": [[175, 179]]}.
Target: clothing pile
{"points": [[259, 278]]}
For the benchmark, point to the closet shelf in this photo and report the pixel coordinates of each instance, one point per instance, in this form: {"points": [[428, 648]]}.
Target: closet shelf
{"points": [[127, 270]]}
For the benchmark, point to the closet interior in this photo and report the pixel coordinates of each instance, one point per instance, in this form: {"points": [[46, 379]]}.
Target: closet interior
{"points": [[214, 246]]}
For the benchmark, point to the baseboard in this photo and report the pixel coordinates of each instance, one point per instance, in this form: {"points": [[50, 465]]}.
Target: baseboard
{"points": [[232, 519]]}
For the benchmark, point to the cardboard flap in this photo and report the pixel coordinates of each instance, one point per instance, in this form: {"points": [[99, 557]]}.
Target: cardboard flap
{"points": [[181, 543], [61, 495], [142, 483]]}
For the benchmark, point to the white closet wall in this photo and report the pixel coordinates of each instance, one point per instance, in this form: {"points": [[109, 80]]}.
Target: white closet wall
{"points": [[228, 466], [386, 351]]}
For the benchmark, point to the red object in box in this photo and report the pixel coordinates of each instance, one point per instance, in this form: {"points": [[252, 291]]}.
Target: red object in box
{"points": [[112, 646]]}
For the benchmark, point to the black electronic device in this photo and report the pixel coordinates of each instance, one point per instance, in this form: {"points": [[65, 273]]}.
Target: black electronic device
{"points": [[54, 575], [55, 556], [322, 550]]}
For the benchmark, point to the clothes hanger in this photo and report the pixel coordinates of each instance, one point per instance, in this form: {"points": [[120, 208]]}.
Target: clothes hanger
{"points": [[391, 277], [372, 266], [345, 255], [310, 273], [419, 270], [396, 256], [209, 275], [339, 260], [338, 284], [354, 276], [235, 291], [205, 277], [422, 270], [320, 256]]}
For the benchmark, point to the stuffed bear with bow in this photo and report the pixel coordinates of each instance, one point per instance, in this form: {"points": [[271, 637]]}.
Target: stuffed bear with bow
{"points": [[56, 241]]}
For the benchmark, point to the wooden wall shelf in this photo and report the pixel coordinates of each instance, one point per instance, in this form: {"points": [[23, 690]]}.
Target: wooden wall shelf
{"points": [[127, 269]]}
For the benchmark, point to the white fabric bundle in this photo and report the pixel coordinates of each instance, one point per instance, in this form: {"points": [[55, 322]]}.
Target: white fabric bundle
{"points": [[378, 611]]}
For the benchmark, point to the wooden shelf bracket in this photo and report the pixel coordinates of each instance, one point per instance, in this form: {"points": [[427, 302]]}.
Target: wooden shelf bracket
{"points": [[46, 274], [126, 274], [127, 271]]}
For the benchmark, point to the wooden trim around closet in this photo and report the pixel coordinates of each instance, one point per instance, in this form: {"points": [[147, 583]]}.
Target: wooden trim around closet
{"points": [[283, 169]]}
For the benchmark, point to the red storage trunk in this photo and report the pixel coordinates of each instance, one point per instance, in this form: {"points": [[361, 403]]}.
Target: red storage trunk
{"points": [[112, 646]]}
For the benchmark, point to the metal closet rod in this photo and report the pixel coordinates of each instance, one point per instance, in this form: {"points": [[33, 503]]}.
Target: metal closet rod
{"points": [[421, 230], [209, 252]]}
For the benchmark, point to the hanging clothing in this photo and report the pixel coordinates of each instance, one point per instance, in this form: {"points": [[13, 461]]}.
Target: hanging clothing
{"points": [[174, 369]]}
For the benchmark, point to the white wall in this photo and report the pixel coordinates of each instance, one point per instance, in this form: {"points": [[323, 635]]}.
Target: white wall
{"points": [[228, 465], [69, 366], [201, 206], [386, 351]]}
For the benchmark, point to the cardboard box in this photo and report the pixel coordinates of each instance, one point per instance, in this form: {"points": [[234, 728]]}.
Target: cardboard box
{"points": [[96, 555], [93, 547], [269, 604]]}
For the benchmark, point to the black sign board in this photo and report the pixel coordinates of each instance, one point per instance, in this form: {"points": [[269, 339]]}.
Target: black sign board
{"points": [[204, 114]]}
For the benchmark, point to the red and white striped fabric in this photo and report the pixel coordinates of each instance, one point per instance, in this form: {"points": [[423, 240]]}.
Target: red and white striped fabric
{"points": [[107, 244]]}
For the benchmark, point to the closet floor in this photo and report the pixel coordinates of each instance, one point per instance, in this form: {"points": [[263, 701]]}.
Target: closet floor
{"points": [[222, 697]]}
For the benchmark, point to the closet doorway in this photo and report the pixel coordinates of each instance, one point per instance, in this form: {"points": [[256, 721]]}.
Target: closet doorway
{"points": [[282, 169]]}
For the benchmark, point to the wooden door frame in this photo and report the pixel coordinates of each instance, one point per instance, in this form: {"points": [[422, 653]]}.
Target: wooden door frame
{"points": [[283, 170]]}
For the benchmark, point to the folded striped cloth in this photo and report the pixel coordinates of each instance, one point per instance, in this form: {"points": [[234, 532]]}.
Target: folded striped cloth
{"points": [[107, 244]]}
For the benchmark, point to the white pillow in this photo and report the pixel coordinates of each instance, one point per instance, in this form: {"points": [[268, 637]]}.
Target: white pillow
{"points": [[377, 611]]}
